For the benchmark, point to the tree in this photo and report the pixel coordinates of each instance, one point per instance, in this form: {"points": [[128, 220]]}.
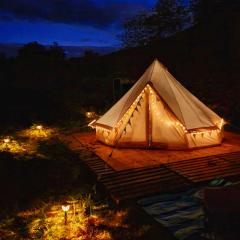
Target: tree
{"points": [[167, 18], [170, 17], [31, 50], [138, 31], [56, 52], [90, 54], [204, 10]]}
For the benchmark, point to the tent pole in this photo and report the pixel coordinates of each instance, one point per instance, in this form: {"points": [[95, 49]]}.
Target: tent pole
{"points": [[148, 120]]}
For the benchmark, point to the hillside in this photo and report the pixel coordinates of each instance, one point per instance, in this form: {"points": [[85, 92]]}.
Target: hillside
{"points": [[204, 58], [10, 50]]}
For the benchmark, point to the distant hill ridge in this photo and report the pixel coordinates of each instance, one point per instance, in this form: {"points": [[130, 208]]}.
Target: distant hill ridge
{"points": [[10, 50]]}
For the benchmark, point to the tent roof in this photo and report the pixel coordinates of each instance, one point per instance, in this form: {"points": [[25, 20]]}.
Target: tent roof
{"points": [[190, 111]]}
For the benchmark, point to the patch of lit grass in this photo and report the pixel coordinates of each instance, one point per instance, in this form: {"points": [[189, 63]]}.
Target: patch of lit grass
{"points": [[43, 217], [26, 142], [8, 144], [38, 132], [49, 223]]}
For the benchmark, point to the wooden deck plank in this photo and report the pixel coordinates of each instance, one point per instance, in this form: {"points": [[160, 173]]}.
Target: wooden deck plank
{"points": [[221, 165], [138, 181], [92, 160], [214, 174], [146, 191], [137, 170], [98, 167], [118, 178], [195, 160], [209, 178], [205, 167], [129, 178], [128, 184], [134, 188]]}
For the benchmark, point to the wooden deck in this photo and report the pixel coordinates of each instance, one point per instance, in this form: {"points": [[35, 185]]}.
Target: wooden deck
{"points": [[135, 182], [123, 159], [95, 164], [204, 169], [139, 182]]}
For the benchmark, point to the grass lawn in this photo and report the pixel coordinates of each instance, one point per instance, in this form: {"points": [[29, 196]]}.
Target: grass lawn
{"points": [[38, 174]]}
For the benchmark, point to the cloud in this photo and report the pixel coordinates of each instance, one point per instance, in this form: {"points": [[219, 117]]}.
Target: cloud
{"points": [[5, 18], [45, 32], [98, 13]]}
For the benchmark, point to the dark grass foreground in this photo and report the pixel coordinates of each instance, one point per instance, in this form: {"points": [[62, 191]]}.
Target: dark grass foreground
{"points": [[35, 185]]}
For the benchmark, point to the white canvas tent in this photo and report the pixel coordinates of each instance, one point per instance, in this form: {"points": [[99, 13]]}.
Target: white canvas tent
{"points": [[159, 112]]}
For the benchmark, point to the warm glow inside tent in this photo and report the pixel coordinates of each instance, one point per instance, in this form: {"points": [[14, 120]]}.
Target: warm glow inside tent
{"points": [[158, 112]]}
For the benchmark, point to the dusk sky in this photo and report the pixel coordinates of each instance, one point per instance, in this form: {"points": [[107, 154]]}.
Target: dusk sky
{"points": [[68, 22]]}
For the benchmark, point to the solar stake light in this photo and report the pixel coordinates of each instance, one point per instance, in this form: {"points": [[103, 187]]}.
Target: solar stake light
{"points": [[65, 208], [39, 127], [6, 140], [90, 114]]}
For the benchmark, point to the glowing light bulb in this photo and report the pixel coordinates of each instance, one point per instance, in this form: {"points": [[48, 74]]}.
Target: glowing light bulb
{"points": [[39, 127], [6, 140], [65, 208]]}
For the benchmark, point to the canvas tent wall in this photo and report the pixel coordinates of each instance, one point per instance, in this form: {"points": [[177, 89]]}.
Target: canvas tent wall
{"points": [[159, 112]]}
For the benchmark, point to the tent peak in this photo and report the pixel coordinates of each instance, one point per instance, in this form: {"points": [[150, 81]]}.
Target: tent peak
{"points": [[156, 60]]}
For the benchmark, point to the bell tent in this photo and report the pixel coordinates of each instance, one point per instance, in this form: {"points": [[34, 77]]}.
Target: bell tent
{"points": [[158, 112]]}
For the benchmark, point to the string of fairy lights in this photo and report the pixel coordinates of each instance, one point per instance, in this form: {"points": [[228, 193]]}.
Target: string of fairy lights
{"points": [[156, 111], [125, 119], [154, 107]]}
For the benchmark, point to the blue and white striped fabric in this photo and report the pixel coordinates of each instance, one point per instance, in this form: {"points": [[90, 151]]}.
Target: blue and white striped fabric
{"points": [[181, 213]]}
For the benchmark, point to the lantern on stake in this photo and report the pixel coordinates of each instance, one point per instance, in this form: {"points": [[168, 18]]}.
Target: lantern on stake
{"points": [[7, 140], [65, 208]]}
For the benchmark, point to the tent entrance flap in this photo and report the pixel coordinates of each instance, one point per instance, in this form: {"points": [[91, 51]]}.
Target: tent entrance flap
{"points": [[166, 129]]}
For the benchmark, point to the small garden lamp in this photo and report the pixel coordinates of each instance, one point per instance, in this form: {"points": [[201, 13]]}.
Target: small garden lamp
{"points": [[39, 127], [65, 208], [90, 114], [6, 140]]}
